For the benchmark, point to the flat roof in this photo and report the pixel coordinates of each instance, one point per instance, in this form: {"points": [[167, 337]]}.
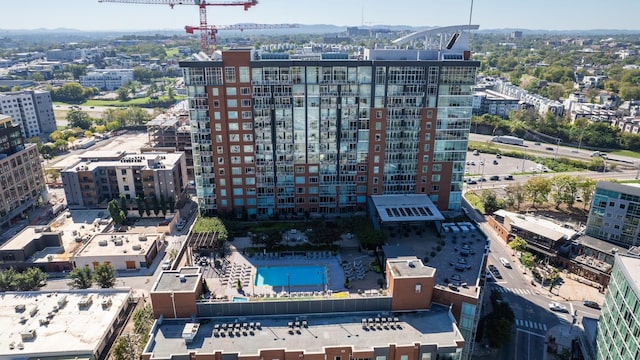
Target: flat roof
{"points": [[184, 279], [407, 207], [630, 266], [114, 244], [600, 245], [435, 326], [632, 189], [538, 225], [24, 237], [66, 333], [408, 267], [149, 161]]}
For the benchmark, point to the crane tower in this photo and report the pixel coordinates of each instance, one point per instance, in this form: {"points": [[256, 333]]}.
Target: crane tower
{"points": [[202, 6]]}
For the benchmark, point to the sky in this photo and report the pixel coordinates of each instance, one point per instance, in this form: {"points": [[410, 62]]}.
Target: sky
{"points": [[489, 14]]}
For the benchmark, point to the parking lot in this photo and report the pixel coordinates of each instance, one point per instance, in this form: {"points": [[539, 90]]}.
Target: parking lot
{"points": [[487, 165]]}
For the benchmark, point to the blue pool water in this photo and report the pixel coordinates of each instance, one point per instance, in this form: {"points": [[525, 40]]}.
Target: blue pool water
{"points": [[239, 299], [291, 275]]}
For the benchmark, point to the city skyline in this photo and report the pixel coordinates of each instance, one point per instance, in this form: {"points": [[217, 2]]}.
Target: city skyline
{"points": [[496, 14]]}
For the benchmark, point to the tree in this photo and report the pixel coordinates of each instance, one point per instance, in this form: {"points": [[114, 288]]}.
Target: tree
{"points": [[30, 279], [489, 201], [37, 77], [123, 93], [156, 206], [81, 278], [125, 348], [528, 260], [105, 276], [7, 278], [564, 190], [515, 194], [518, 244], [211, 224], [163, 204], [116, 213], [76, 70], [69, 92], [587, 186], [537, 189], [123, 204], [77, 118]]}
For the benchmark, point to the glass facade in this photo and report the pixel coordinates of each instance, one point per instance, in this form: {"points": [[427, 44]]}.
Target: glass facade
{"points": [[618, 334], [326, 134], [615, 214]]}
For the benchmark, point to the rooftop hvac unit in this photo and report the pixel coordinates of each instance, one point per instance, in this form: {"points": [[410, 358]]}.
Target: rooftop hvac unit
{"points": [[85, 301], [136, 247], [28, 335], [118, 242], [102, 242]]}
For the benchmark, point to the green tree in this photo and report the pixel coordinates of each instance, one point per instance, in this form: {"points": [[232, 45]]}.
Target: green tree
{"points": [[515, 194], [105, 276], [528, 260], [163, 204], [156, 206], [76, 70], [125, 348], [518, 244], [587, 187], [489, 201], [37, 77], [537, 189], [78, 118], [81, 278], [7, 279], [70, 92], [116, 213], [29, 280], [123, 204], [211, 224], [123, 93]]}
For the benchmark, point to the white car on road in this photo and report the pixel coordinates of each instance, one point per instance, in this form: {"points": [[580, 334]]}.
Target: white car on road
{"points": [[554, 306]]}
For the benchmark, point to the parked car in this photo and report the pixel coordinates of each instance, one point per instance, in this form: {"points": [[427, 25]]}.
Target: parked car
{"points": [[495, 178], [498, 156], [505, 263], [549, 148], [495, 162], [591, 304], [494, 270], [508, 177], [537, 143], [472, 182], [554, 306], [166, 264], [476, 153], [181, 225]]}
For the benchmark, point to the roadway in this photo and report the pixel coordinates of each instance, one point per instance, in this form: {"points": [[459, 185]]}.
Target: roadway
{"points": [[529, 302], [554, 150]]}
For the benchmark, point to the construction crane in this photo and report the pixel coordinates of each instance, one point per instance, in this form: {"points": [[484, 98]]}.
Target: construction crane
{"points": [[202, 5], [212, 30]]}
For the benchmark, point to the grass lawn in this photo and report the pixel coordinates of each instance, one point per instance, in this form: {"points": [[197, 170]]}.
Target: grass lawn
{"points": [[475, 201], [627, 153], [171, 52]]}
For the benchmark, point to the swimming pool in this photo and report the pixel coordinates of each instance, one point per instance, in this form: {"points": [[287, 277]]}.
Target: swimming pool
{"points": [[239, 299], [291, 275]]}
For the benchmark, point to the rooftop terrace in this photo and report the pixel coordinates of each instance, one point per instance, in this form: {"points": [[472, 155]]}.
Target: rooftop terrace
{"points": [[310, 333]]}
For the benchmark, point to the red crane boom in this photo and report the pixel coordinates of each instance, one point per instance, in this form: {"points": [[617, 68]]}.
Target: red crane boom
{"points": [[202, 5], [212, 30]]}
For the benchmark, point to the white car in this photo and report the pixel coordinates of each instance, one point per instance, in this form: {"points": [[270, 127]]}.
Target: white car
{"points": [[505, 263], [166, 265], [554, 306]]}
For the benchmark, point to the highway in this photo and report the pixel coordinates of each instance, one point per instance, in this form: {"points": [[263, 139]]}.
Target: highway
{"points": [[559, 151]]}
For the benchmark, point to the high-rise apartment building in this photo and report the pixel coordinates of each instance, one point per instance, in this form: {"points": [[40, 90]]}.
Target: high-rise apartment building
{"points": [[618, 334], [31, 109], [276, 136], [614, 215]]}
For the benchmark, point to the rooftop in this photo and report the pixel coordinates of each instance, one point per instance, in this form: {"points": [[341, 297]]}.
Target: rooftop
{"points": [[407, 207], [184, 279], [43, 325], [118, 244], [409, 267], [630, 265], [148, 161], [25, 236], [434, 326], [538, 225], [632, 189]]}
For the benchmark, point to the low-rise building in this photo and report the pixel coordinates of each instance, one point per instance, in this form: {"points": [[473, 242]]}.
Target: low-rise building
{"points": [[100, 176], [107, 79], [614, 215], [494, 103], [76, 324], [171, 132], [123, 251]]}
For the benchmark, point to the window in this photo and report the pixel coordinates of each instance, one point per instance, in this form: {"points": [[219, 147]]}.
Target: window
{"points": [[231, 91], [379, 114], [232, 114], [436, 167], [126, 188], [244, 74], [216, 103], [427, 147], [429, 113], [435, 188], [245, 102], [378, 125], [418, 291], [245, 90], [230, 74], [246, 114], [232, 103], [377, 148], [435, 178]]}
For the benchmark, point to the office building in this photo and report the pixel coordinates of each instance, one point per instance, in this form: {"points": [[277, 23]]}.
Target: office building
{"points": [[276, 136], [618, 334], [100, 176], [614, 215], [107, 79], [21, 174], [31, 109], [72, 324]]}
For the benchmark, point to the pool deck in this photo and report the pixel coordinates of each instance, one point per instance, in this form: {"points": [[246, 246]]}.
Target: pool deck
{"points": [[223, 284]]}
